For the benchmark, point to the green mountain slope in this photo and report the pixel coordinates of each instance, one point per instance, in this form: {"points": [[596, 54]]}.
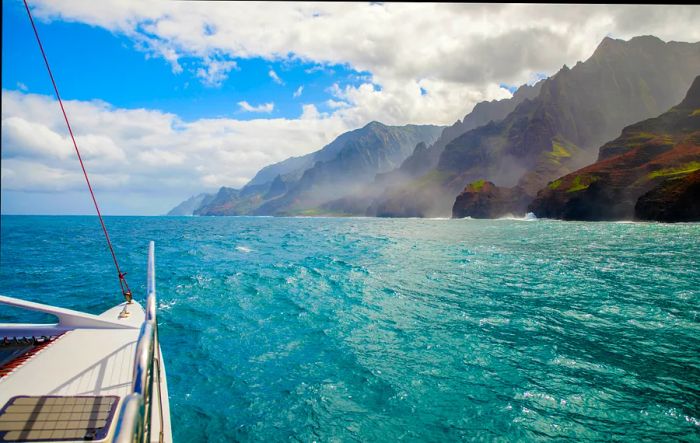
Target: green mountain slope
{"points": [[651, 171], [559, 131]]}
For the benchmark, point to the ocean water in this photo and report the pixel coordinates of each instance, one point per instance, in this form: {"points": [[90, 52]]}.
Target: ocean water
{"points": [[320, 329]]}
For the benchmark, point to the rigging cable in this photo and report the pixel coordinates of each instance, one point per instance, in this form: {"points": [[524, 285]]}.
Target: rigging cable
{"points": [[122, 275]]}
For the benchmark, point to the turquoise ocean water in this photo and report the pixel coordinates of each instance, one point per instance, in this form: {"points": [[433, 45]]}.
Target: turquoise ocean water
{"points": [[317, 329]]}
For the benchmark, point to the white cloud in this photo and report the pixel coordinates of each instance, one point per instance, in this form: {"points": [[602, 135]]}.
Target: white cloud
{"points": [[33, 140], [309, 112], [265, 107], [462, 51], [159, 157], [298, 92], [215, 71], [140, 161], [275, 78], [22, 87], [335, 104]]}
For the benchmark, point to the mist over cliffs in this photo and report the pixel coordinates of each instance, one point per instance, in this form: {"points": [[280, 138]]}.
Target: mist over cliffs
{"points": [[302, 185], [492, 162], [189, 206], [561, 129]]}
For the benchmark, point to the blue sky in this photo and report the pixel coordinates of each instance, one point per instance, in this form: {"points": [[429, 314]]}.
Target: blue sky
{"points": [[93, 63], [171, 99]]}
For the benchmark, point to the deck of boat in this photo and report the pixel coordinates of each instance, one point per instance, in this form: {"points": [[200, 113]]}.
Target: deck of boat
{"points": [[84, 362], [80, 362]]}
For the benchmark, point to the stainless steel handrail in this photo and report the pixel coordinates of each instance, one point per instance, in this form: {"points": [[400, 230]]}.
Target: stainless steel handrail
{"points": [[151, 307], [131, 419], [134, 418], [143, 366]]}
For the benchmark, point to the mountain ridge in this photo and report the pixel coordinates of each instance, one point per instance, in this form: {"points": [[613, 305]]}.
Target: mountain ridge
{"points": [[576, 111], [642, 174], [544, 131], [353, 155]]}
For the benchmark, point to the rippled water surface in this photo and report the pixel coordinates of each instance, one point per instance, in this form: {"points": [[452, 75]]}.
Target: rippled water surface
{"points": [[384, 330]]}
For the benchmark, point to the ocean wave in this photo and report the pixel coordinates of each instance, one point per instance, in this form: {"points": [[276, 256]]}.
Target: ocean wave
{"points": [[335, 329], [530, 216]]}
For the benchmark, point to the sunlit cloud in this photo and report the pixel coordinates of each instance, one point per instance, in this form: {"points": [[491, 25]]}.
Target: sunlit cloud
{"points": [[265, 107], [132, 150], [464, 50]]}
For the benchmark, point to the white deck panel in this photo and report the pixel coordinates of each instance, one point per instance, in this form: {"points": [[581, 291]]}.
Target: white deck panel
{"points": [[81, 362]]}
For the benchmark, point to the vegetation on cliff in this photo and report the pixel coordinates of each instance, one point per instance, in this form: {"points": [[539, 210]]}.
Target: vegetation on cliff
{"points": [[561, 129], [649, 172]]}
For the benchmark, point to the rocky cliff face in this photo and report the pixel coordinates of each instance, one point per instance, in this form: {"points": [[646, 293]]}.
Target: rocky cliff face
{"points": [[376, 148], [304, 184], [671, 201], [293, 168], [425, 158], [561, 129], [189, 206], [386, 197], [648, 172], [483, 199], [220, 203]]}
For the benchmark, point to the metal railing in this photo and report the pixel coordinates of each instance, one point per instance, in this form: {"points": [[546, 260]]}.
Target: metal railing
{"points": [[134, 425]]}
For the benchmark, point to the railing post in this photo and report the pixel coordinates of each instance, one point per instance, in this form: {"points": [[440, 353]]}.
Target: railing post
{"points": [[134, 423], [151, 273]]}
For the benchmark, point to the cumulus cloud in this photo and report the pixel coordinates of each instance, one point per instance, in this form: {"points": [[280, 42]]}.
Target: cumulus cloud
{"points": [[458, 53], [265, 107], [310, 112], [148, 159], [335, 104]]}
